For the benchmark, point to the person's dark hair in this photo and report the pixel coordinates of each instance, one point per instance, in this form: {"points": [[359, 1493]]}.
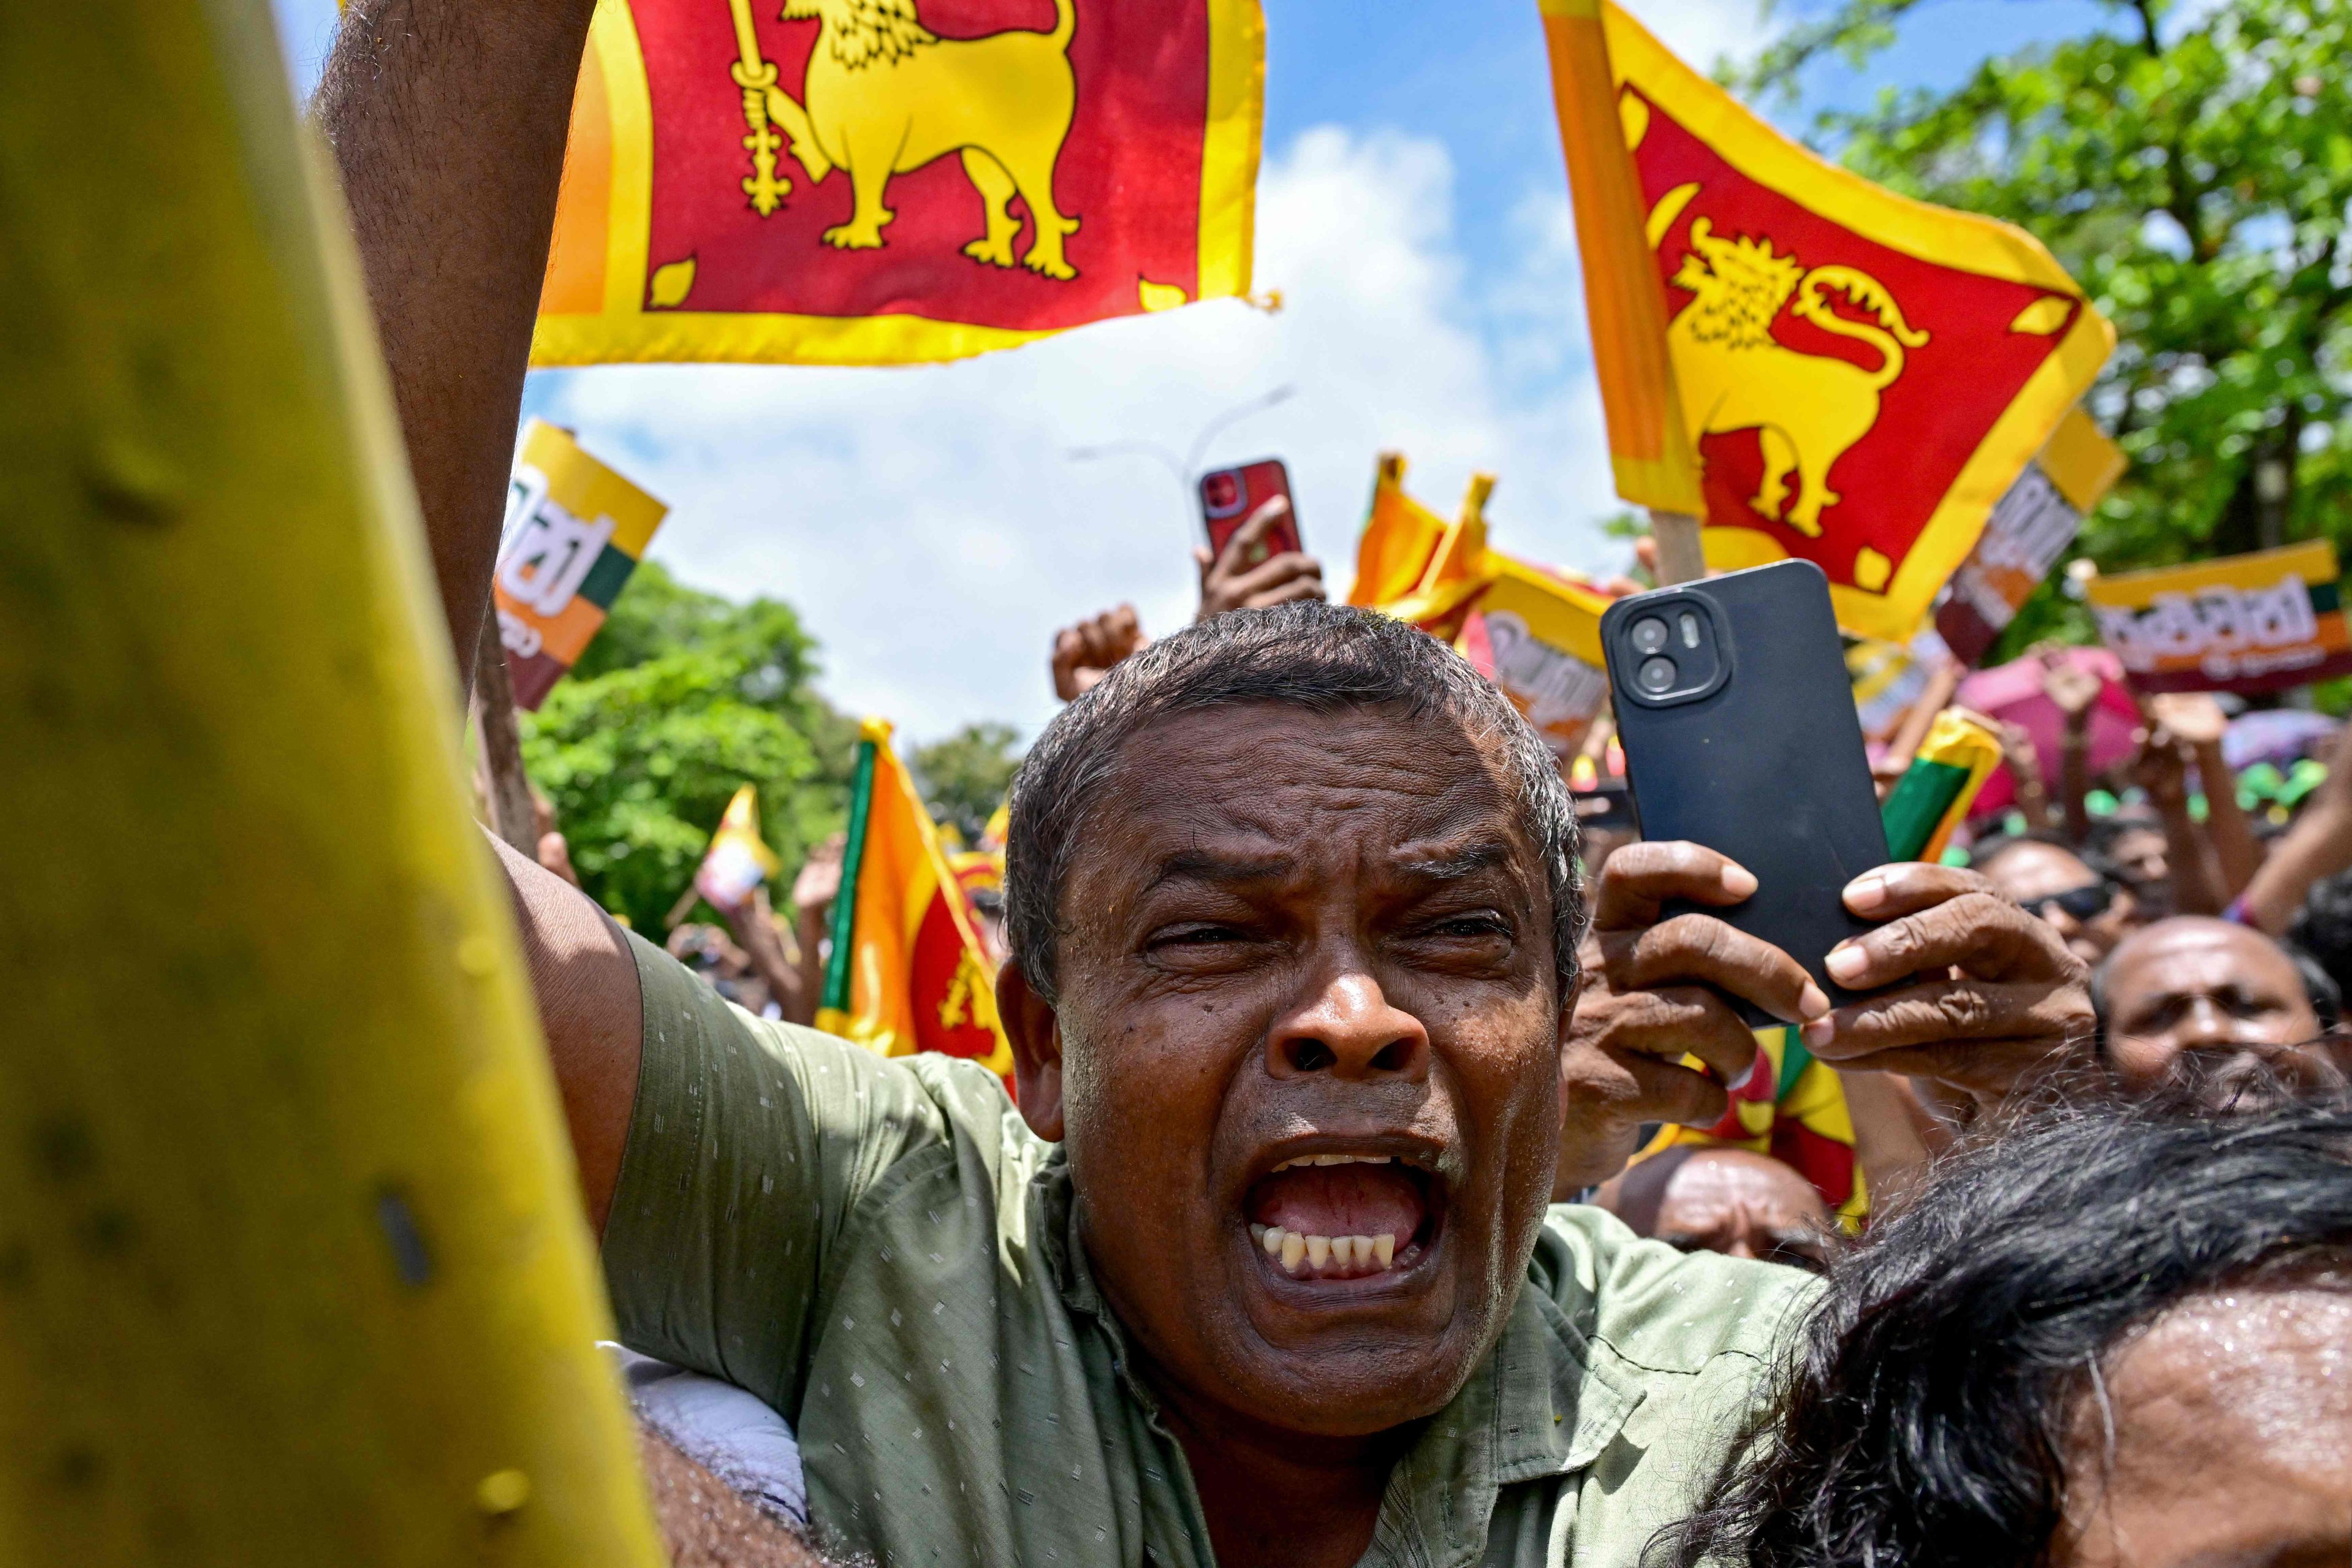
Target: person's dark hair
{"points": [[2323, 927], [1926, 1418], [2107, 830], [1309, 655]]}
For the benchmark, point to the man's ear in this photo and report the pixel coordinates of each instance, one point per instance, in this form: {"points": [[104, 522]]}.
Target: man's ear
{"points": [[1036, 1034]]}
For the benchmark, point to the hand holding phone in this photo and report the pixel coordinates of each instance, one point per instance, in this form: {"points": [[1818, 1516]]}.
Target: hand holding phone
{"points": [[1254, 556], [1758, 898], [1738, 719]]}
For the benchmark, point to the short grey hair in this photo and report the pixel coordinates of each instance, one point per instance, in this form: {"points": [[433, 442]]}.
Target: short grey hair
{"points": [[1321, 658]]}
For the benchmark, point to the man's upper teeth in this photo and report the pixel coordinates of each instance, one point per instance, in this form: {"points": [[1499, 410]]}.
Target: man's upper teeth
{"points": [[1334, 1160]]}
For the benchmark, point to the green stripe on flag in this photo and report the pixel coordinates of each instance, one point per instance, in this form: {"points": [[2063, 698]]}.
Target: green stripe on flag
{"points": [[603, 583], [2327, 597], [844, 902], [1916, 802]]}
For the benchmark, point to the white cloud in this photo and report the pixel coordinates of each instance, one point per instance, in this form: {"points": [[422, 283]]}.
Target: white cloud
{"points": [[930, 526], [1705, 31]]}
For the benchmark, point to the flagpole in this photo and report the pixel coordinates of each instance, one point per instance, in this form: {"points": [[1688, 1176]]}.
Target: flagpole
{"points": [[506, 788], [1680, 559]]}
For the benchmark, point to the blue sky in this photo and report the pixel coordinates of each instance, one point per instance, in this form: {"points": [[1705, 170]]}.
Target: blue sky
{"points": [[929, 523]]}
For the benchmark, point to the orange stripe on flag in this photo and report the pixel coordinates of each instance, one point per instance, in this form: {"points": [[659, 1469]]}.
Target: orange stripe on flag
{"points": [[1649, 450], [575, 260]]}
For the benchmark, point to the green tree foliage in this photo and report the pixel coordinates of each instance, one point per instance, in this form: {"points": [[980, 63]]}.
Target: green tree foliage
{"points": [[2193, 169], [682, 698], [964, 777]]}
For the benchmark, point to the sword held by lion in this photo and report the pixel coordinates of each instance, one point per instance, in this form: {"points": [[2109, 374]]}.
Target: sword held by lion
{"points": [[885, 95]]}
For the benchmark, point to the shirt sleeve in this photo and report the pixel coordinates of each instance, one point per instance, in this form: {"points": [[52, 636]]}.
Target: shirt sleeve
{"points": [[750, 1147]]}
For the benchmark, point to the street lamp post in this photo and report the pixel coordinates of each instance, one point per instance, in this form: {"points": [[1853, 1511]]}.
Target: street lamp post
{"points": [[1185, 472]]}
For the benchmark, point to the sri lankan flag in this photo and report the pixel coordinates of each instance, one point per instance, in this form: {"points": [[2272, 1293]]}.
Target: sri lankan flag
{"points": [[1862, 377], [870, 181], [1413, 564], [907, 972], [1793, 1108]]}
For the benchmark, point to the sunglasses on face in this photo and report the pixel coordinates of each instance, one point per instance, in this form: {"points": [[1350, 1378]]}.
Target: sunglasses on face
{"points": [[2083, 904]]}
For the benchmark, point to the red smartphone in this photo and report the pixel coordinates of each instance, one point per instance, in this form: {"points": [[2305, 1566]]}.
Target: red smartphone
{"points": [[1231, 497]]}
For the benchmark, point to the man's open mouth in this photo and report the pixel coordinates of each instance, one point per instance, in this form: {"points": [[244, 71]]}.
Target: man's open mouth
{"points": [[1344, 1215]]}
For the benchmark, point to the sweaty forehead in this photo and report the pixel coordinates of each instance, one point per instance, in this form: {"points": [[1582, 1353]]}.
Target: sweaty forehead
{"points": [[1310, 784], [2196, 956]]}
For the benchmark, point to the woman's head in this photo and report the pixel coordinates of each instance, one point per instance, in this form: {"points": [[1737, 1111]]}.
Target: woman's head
{"points": [[2120, 1338]]}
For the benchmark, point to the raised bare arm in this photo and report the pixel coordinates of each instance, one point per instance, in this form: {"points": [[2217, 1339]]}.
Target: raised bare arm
{"points": [[447, 119]]}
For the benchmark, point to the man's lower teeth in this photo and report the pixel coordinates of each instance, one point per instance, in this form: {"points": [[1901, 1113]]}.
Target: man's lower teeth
{"points": [[1319, 1251]]}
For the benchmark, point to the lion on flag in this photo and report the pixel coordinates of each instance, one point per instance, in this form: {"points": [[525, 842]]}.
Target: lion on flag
{"points": [[886, 95], [1809, 409]]}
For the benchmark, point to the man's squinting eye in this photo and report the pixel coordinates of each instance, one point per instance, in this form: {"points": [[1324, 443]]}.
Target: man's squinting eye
{"points": [[1477, 923], [1194, 933]]}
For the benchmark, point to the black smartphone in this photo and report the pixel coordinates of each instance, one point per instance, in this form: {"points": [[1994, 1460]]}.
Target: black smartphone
{"points": [[1229, 497], [1738, 724]]}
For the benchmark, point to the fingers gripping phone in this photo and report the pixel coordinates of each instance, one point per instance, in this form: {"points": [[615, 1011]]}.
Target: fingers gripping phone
{"points": [[1738, 719], [1231, 497]]}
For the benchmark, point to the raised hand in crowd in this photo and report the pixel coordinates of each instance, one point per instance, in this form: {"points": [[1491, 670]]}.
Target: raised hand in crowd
{"points": [[754, 921], [2075, 690], [2196, 721], [2318, 845], [2161, 767], [2025, 775], [1245, 575], [814, 891], [1085, 653]]}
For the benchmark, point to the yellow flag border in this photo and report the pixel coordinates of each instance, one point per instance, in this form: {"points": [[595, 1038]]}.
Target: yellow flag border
{"points": [[1937, 236], [626, 332]]}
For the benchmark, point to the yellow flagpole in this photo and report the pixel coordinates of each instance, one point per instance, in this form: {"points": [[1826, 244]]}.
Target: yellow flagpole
{"points": [[292, 1268]]}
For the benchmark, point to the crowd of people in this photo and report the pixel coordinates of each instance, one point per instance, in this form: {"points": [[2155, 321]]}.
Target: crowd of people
{"points": [[1323, 1019]]}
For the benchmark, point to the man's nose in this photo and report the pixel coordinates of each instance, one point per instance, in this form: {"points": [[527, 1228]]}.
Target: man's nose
{"points": [[2204, 1025], [1351, 1029]]}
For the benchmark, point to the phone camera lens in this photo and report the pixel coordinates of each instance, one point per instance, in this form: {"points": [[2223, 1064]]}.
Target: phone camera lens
{"points": [[1656, 675], [1649, 634]]}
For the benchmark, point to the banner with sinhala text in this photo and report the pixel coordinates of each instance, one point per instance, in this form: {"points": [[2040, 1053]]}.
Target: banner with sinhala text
{"points": [[874, 181], [2249, 623]]}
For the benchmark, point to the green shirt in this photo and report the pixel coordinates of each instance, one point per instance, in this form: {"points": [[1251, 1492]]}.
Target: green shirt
{"points": [[883, 1251]]}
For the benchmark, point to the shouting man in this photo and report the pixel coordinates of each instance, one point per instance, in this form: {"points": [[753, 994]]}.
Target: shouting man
{"points": [[1308, 1023]]}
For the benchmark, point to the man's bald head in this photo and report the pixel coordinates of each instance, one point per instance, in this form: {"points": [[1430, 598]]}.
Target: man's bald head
{"points": [[2219, 1010], [1727, 1200]]}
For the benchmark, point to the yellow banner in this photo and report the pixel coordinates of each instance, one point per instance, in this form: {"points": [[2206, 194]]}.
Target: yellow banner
{"points": [[575, 531], [2254, 623], [1537, 635]]}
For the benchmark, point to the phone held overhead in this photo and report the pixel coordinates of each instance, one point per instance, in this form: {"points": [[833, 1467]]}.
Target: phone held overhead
{"points": [[1229, 497], [1737, 716]]}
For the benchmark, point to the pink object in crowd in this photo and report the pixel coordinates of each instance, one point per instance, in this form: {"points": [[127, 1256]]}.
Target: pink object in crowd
{"points": [[2012, 693]]}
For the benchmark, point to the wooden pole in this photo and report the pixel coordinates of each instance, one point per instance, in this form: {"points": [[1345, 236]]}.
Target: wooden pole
{"points": [[292, 1268], [506, 788], [1680, 559]]}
